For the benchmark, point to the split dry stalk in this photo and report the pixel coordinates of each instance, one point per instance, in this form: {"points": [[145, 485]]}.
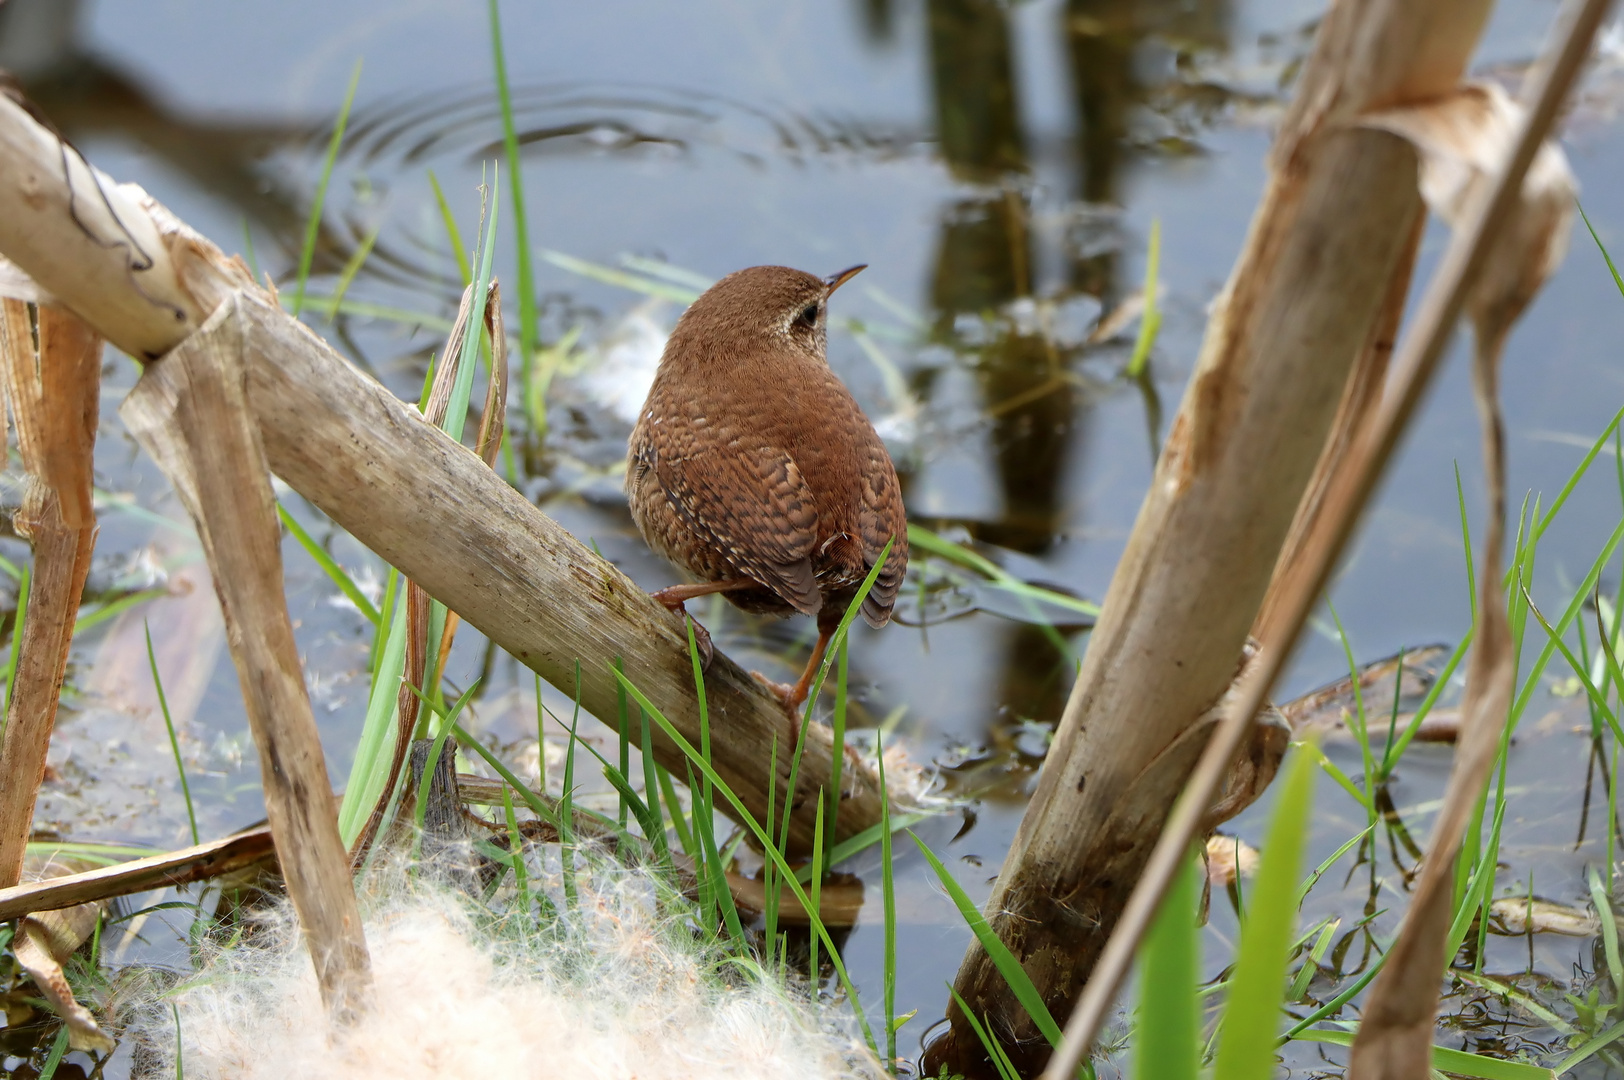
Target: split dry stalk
{"points": [[492, 424], [1480, 223], [190, 412], [1306, 296], [422, 502], [213, 859], [52, 367]]}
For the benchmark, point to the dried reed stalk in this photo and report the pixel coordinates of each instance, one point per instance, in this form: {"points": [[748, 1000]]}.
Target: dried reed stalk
{"points": [[52, 365], [423, 503], [197, 863], [1479, 224], [491, 425], [1304, 299], [1461, 138], [190, 412]]}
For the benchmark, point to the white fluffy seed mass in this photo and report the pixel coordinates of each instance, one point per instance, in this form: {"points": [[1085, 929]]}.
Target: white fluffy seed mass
{"points": [[609, 989]]}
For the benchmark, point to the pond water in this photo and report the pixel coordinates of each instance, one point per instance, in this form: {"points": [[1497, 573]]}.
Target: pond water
{"points": [[1000, 168]]}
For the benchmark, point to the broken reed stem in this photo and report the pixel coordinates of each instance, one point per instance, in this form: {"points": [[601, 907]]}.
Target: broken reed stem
{"points": [[197, 863], [1359, 401], [190, 412], [420, 501], [1414, 365], [491, 425], [840, 905], [54, 388]]}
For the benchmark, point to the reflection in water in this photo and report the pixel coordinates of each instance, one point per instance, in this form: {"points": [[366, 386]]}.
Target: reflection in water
{"points": [[984, 263], [984, 268], [879, 21], [86, 97], [973, 75]]}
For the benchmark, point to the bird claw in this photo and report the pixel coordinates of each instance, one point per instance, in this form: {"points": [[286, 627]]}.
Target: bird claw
{"points": [[702, 642], [702, 638]]}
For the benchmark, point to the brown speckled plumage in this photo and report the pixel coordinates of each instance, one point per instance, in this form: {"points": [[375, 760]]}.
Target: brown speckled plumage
{"points": [[751, 460]]}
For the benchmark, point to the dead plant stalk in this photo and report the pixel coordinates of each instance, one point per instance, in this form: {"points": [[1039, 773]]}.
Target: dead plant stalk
{"points": [[1485, 215], [1307, 295], [190, 412], [52, 365]]}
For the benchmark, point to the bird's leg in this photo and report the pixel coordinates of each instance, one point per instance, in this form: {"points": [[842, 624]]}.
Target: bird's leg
{"points": [[793, 696], [673, 597]]}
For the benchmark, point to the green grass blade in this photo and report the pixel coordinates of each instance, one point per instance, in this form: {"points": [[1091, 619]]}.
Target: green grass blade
{"points": [[994, 1051], [611, 276], [651, 791], [1167, 1033], [837, 759], [436, 749], [114, 608], [1246, 1044], [174, 740], [1589, 1049], [458, 250], [370, 769], [888, 899], [307, 252], [772, 852], [1359, 725], [1020, 984], [1618, 281], [814, 972], [1151, 320], [521, 873], [863, 841], [1305, 974], [1335, 773], [521, 233], [1572, 482], [926, 541], [1319, 871], [60, 1047], [18, 624], [771, 890], [456, 414], [352, 267], [1609, 933], [1390, 761], [1597, 698], [329, 566], [679, 820], [566, 803], [1454, 1062]]}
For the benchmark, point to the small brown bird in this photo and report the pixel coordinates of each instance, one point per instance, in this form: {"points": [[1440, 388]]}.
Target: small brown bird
{"points": [[753, 468]]}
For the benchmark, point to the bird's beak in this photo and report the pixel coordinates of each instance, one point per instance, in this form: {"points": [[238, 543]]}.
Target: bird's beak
{"points": [[835, 281]]}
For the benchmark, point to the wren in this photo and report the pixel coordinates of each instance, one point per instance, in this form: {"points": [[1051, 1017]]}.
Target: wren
{"points": [[753, 468]]}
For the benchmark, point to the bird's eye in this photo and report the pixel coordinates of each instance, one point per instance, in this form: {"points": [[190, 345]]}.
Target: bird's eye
{"points": [[808, 317]]}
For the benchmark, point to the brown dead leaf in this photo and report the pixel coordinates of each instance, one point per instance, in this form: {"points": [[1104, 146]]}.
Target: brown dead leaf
{"points": [[44, 941], [1519, 915], [1227, 857], [1462, 138]]}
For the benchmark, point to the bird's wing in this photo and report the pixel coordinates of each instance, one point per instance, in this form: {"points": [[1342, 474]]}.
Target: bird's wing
{"points": [[755, 507], [881, 519]]}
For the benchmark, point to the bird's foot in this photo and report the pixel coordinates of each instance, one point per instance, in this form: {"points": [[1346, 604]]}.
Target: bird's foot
{"points": [[702, 638]]}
